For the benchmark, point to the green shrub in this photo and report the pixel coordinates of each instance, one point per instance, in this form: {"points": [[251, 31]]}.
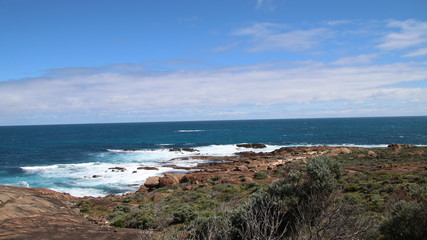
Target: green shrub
{"points": [[183, 214], [408, 222], [260, 175]]}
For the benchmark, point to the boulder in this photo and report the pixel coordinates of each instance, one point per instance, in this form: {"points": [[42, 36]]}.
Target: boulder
{"points": [[251, 145], [241, 168], [183, 150], [372, 154], [176, 175], [168, 180], [396, 146], [142, 189], [147, 168], [338, 151], [152, 182], [117, 169]]}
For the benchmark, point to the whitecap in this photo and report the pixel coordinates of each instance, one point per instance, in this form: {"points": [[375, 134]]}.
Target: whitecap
{"points": [[190, 130]]}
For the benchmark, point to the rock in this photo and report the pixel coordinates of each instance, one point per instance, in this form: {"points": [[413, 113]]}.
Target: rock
{"points": [[147, 168], [196, 178], [157, 196], [187, 188], [241, 168], [176, 175], [29, 213], [134, 172], [246, 179], [142, 189], [345, 151], [152, 182], [372, 154], [271, 167], [96, 176], [183, 150], [117, 169], [251, 145], [168, 180], [396, 146], [338, 151]]}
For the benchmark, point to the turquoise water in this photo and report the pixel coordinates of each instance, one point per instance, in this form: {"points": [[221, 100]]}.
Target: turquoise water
{"points": [[65, 157]]}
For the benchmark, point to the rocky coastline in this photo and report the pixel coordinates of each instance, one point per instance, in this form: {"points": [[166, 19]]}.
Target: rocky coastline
{"points": [[27, 213]]}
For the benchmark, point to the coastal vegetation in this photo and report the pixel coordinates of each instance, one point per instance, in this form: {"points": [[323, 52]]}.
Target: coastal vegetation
{"points": [[356, 193]]}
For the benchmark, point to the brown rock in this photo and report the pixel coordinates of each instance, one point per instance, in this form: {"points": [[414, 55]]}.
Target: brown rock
{"points": [[241, 168], [152, 182], [338, 151], [157, 196], [168, 180], [147, 168], [372, 154], [176, 175], [141, 189], [251, 145], [37, 214]]}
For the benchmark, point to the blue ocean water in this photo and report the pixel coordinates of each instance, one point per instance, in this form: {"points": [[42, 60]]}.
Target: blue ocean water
{"points": [[66, 158]]}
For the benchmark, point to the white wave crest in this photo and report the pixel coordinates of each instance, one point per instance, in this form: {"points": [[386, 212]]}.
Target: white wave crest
{"points": [[190, 130]]}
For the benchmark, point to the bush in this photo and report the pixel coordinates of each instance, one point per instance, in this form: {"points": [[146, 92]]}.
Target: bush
{"points": [[408, 222], [183, 214], [260, 175]]}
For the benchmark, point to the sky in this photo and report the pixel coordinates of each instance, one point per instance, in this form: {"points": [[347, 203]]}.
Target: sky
{"points": [[100, 61]]}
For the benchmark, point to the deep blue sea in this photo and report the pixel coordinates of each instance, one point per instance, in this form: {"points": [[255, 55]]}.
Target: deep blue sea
{"points": [[66, 157]]}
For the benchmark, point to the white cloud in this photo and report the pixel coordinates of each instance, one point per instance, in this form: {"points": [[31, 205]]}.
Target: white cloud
{"points": [[417, 53], [272, 37], [360, 59], [268, 4], [223, 91], [410, 33]]}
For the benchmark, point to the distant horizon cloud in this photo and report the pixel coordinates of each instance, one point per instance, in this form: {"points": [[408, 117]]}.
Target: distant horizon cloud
{"points": [[235, 91]]}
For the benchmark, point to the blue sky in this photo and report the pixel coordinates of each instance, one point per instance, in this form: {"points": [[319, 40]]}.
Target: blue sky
{"points": [[167, 60]]}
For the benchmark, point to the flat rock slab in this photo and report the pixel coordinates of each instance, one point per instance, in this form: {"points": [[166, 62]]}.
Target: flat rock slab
{"points": [[27, 213]]}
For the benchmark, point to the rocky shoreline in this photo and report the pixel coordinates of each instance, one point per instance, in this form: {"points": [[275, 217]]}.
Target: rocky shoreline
{"points": [[27, 213]]}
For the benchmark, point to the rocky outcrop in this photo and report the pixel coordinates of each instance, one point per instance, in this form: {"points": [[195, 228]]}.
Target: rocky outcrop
{"points": [[42, 214], [251, 145], [152, 182], [338, 151], [117, 169], [147, 168], [372, 154], [183, 150], [396, 146]]}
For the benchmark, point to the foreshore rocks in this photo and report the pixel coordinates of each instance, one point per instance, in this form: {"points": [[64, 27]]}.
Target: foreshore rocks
{"points": [[117, 169], [183, 150], [147, 168], [251, 145], [397, 147]]}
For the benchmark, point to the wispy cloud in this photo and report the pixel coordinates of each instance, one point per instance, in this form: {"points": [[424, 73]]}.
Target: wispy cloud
{"points": [[417, 53], [276, 37], [267, 4], [360, 59], [223, 91], [409, 33]]}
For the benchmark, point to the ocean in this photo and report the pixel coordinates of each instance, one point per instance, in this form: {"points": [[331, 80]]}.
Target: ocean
{"points": [[66, 158]]}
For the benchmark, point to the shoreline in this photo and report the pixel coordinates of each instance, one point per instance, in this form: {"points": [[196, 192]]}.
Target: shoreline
{"points": [[209, 163]]}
